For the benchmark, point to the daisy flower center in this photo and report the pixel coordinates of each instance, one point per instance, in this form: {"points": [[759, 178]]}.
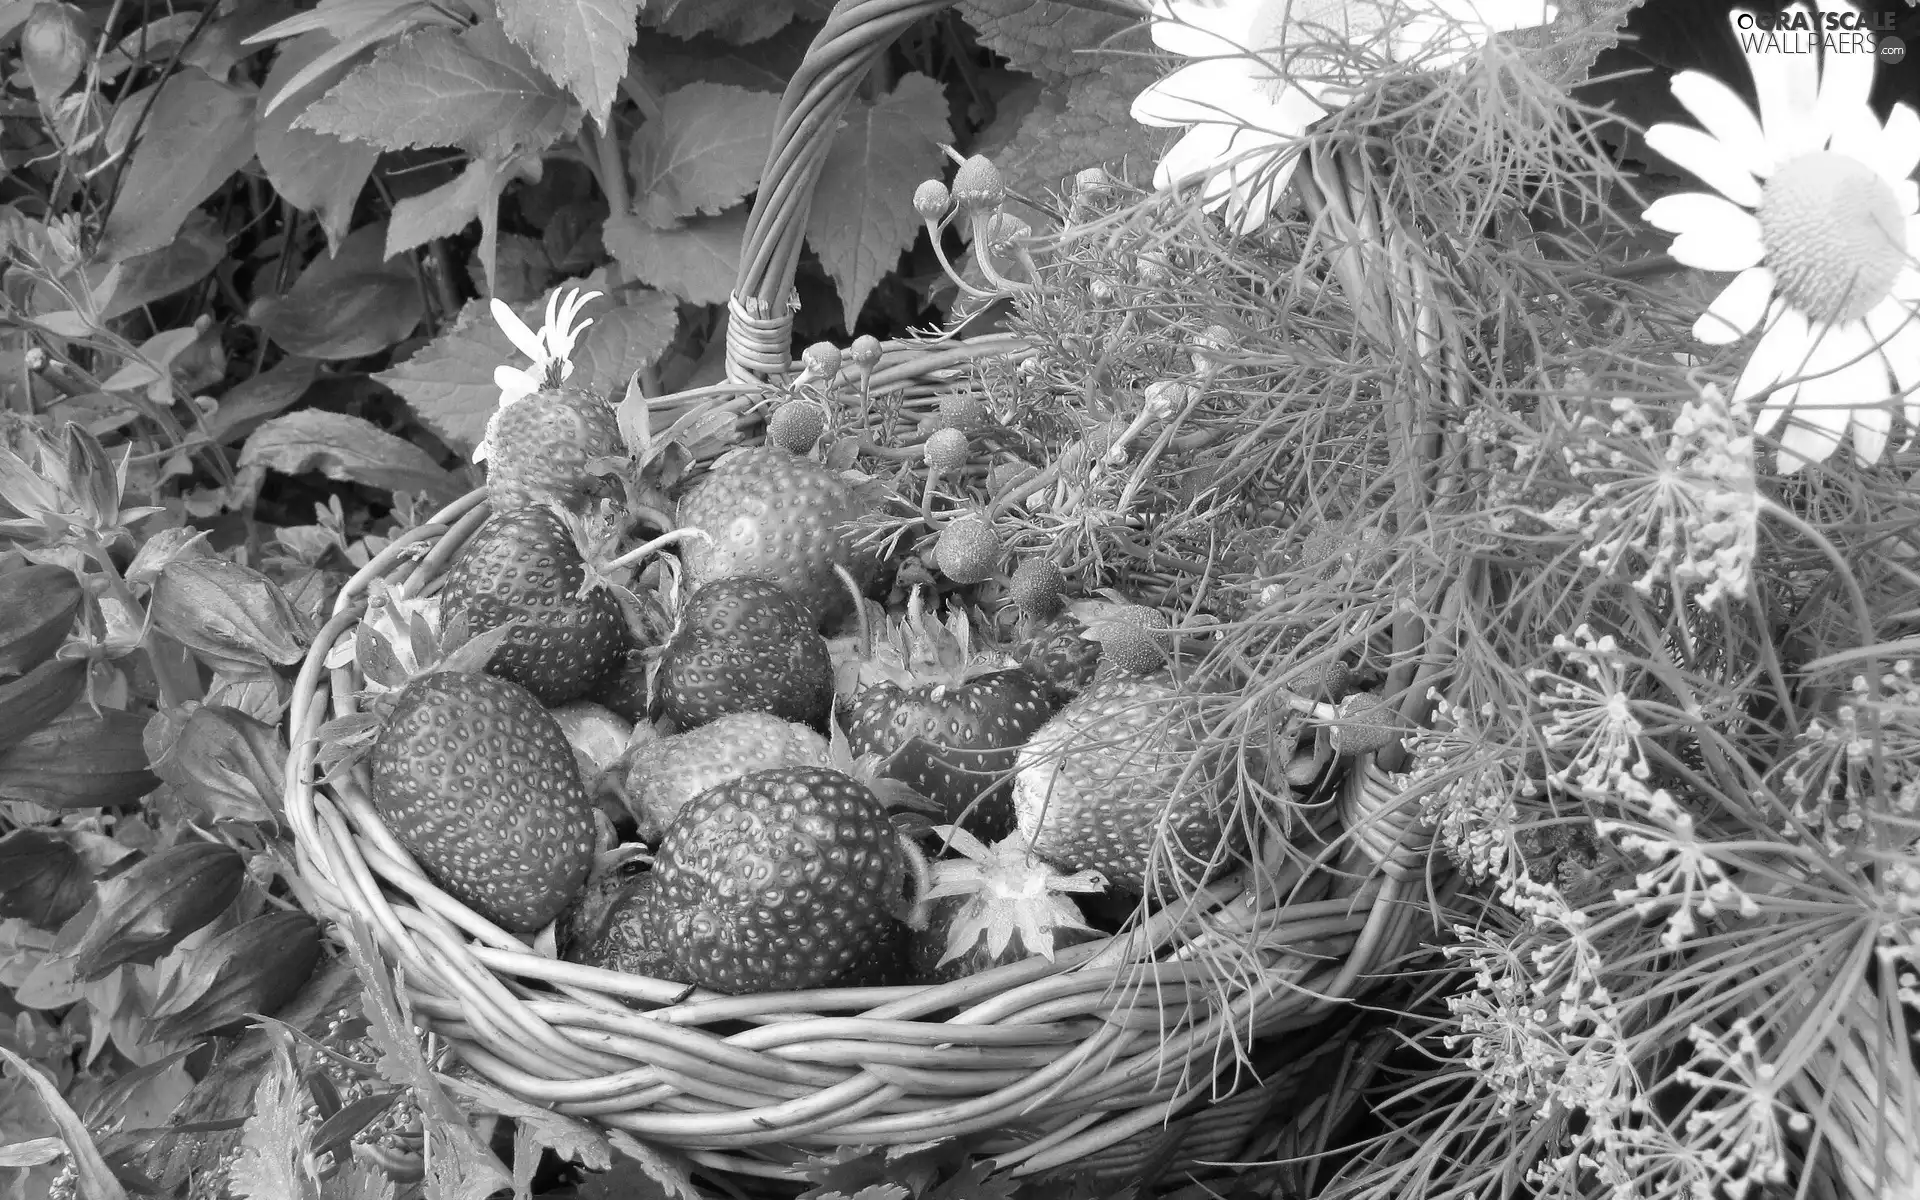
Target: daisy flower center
{"points": [[1831, 227]]}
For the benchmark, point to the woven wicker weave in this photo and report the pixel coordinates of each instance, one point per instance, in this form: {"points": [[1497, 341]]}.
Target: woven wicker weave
{"points": [[1078, 1062]]}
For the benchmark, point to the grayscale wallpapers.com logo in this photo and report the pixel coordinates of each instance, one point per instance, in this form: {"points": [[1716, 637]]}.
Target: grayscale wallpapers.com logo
{"points": [[1802, 32]]}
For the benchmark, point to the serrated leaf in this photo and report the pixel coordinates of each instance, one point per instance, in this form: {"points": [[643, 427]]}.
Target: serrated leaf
{"points": [[273, 1144], [1053, 39], [315, 171], [349, 449], [701, 152], [449, 382], [473, 89], [354, 303], [583, 44], [862, 215], [1084, 123], [698, 261], [198, 133], [536, 1129], [764, 66], [662, 1166], [445, 210], [741, 22]]}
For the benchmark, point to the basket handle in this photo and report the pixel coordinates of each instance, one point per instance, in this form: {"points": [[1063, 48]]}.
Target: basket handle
{"points": [[760, 319]]}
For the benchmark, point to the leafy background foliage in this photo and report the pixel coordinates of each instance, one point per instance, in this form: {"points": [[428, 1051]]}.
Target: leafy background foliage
{"points": [[243, 345]]}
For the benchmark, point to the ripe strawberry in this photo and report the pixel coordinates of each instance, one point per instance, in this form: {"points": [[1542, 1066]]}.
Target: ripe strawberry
{"points": [[745, 645], [1112, 773], [996, 905], [944, 721], [525, 563], [541, 445], [777, 516], [665, 774], [778, 880], [1061, 658], [476, 779]]}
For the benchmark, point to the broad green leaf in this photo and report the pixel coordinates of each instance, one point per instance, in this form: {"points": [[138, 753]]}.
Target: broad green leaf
{"points": [[701, 152], [741, 22], [1053, 39], [473, 89], [198, 134], [763, 66], [445, 210], [1082, 123], [583, 44], [314, 171], [696, 262], [862, 215], [194, 252], [96, 1180], [355, 303], [348, 449], [622, 340], [267, 394], [449, 383]]}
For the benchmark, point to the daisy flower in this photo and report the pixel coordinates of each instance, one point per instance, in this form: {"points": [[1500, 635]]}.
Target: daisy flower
{"points": [[1244, 110], [551, 350], [1816, 212]]}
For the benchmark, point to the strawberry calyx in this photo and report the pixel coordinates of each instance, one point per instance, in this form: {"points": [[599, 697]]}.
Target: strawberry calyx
{"points": [[1006, 891], [920, 649]]}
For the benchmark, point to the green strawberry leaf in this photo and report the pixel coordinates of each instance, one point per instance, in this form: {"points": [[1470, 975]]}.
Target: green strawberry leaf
{"points": [[472, 195], [583, 44], [862, 215], [663, 1167], [473, 89], [345, 305], [314, 171], [198, 132], [698, 261], [624, 340], [346, 448], [701, 152], [1053, 39], [535, 1129], [738, 21], [1079, 123]]}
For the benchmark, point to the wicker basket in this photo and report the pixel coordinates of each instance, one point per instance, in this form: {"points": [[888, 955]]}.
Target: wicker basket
{"points": [[1102, 1060]]}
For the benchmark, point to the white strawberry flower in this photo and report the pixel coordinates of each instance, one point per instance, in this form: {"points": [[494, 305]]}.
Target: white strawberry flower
{"points": [[551, 350]]}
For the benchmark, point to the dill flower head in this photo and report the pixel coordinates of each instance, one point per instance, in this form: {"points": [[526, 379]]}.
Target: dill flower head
{"points": [[1592, 729], [1816, 212], [1680, 502], [1258, 82]]}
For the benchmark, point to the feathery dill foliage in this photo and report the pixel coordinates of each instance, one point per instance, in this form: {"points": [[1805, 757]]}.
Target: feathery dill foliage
{"points": [[1668, 741]]}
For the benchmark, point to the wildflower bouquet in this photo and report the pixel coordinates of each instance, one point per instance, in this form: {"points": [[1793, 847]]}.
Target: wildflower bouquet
{"points": [[1610, 557]]}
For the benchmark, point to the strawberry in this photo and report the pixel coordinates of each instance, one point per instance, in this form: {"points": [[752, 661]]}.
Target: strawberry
{"points": [[624, 940], [1132, 639], [477, 780], [1112, 774], [944, 720], [745, 645], [665, 774], [525, 564], [1061, 658], [778, 880], [996, 905], [542, 440], [777, 516], [796, 425], [1037, 589]]}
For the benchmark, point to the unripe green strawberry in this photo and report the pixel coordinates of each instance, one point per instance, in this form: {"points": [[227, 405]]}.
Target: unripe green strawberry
{"points": [[477, 780], [962, 411], [526, 564], [968, 550], [778, 517], [930, 200], [821, 360], [665, 774], [945, 452], [539, 449], [978, 185], [1114, 772], [796, 425], [865, 353], [1038, 589], [1366, 723]]}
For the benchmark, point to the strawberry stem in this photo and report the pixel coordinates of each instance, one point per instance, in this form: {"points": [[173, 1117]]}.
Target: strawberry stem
{"points": [[645, 549], [926, 505], [859, 610], [920, 907]]}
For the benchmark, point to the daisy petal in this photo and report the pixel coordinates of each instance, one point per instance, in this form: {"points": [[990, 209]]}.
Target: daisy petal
{"points": [[1845, 80], [1719, 250], [1202, 30], [1871, 425], [523, 339], [1782, 349], [1788, 86], [1737, 309], [1198, 92], [1196, 155], [1806, 440], [514, 384], [1723, 114], [1895, 328], [1707, 157], [1844, 375], [1899, 143], [1685, 212]]}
